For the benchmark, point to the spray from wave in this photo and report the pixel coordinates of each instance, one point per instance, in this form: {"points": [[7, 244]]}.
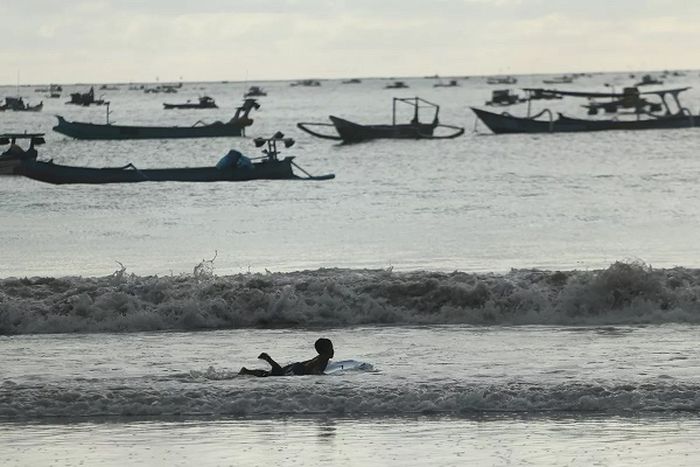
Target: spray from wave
{"points": [[624, 293]]}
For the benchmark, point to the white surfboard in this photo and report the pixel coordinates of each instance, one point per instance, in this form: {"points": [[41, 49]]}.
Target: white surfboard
{"points": [[347, 365]]}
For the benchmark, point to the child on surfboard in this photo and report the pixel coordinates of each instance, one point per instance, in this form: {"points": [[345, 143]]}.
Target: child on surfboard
{"points": [[315, 366]]}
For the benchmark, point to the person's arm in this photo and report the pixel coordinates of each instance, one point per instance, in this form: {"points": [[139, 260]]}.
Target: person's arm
{"points": [[275, 366]]}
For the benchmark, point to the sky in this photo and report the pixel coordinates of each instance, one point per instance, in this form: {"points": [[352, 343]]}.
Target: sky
{"points": [[103, 41]]}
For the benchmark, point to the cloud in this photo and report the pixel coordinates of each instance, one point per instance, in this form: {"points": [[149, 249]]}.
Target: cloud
{"points": [[109, 40]]}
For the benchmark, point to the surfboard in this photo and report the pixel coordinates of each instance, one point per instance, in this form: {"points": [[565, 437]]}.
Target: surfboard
{"points": [[347, 365]]}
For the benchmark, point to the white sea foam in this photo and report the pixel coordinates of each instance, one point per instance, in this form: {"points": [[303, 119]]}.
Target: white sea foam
{"points": [[289, 396], [624, 293]]}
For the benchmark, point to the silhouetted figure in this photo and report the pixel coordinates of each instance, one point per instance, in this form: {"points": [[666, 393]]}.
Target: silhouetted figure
{"points": [[315, 366]]}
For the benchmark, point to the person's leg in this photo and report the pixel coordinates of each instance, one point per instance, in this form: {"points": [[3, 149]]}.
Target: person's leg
{"points": [[256, 372], [276, 368]]}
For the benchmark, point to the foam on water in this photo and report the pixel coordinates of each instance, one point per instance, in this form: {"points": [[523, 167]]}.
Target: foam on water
{"points": [[624, 293], [239, 396]]}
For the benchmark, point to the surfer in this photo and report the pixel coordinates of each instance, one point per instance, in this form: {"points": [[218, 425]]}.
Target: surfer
{"points": [[315, 366]]}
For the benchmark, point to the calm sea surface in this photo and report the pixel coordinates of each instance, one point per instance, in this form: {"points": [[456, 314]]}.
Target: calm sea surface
{"points": [[485, 366]]}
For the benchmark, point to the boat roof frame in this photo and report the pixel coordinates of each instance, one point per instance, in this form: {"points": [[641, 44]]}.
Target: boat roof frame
{"points": [[415, 102], [588, 95]]}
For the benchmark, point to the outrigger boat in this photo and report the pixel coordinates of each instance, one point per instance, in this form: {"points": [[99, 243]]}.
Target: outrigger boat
{"points": [[17, 104], [350, 132], [504, 98], [234, 127], [644, 116], [255, 91], [205, 102], [233, 167], [13, 157], [86, 99], [501, 80]]}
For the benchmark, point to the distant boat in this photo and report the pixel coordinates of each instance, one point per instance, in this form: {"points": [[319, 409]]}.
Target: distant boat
{"points": [[351, 81], [234, 127], [86, 99], [504, 97], [233, 167], [450, 84], [501, 80], [306, 83], [396, 85], [106, 87], [350, 132], [255, 91], [648, 80], [642, 118], [13, 157], [205, 102], [17, 104], [565, 79]]}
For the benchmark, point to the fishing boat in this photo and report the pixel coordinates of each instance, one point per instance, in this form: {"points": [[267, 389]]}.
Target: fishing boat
{"points": [[233, 167], [255, 91], [86, 99], [648, 80], [641, 118], [453, 83], [351, 81], [350, 132], [234, 127], [15, 155], [565, 79], [503, 98], [501, 80], [306, 83], [204, 102], [17, 104], [396, 85]]}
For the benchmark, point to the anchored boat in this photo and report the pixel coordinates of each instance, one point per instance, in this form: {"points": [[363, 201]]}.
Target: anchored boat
{"points": [[17, 104], [234, 127], [350, 132], [644, 115], [233, 167], [13, 157], [205, 102]]}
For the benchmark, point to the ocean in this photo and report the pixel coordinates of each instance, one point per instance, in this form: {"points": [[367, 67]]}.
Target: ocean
{"points": [[516, 299]]}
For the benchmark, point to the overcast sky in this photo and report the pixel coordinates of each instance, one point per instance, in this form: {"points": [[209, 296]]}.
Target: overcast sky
{"points": [[115, 41]]}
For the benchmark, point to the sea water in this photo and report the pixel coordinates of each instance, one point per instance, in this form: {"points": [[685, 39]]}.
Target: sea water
{"points": [[519, 299]]}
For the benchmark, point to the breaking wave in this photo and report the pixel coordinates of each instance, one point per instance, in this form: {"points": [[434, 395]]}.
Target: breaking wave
{"points": [[241, 397], [624, 293]]}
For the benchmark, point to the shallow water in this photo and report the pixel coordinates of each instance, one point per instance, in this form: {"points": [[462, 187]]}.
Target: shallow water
{"points": [[597, 366]]}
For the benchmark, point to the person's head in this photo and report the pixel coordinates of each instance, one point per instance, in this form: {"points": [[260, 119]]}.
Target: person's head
{"points": [[324, 347]]}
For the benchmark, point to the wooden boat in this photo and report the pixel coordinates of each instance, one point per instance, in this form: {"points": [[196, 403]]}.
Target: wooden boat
{"points": [[565, 79], [233, 167], [501, 80], [86, 99], [648, 80], [255, 91], [350, 132], [205, 102], [503, 98], [642, 119], [17, 104], [396, 85], [15, 155], [234, 127], [351, 81], [453, 83], [306, 83]]}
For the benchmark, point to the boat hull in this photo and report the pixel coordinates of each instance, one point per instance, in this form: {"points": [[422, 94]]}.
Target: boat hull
{"points": [[351, 132], [62, 174], [505, 123], [80, 130]]}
